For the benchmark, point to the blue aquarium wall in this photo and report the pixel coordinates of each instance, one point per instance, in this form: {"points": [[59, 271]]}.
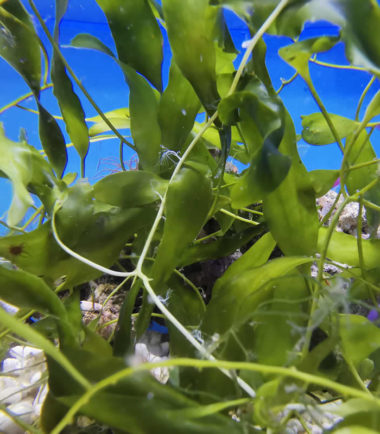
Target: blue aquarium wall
{"points": [[339, 89]]}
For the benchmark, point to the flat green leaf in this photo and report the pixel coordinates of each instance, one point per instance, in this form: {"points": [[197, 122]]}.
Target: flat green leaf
{"points": [[120, 119], [275, 335], [94, 342], [177, 110], [258, 64], [255, 256], [238, 297], [119, 113], [52, 140], [343, 248], [19, 44], [317, 132], [290, 210], [362, 151], [264, 175], [143, 106], [356, 429], [190, 25], [137, 36], [211, 139], [183, 302], [353, 406], [260, 115], [68, 100], [223, 246], [360, 337], [101, 127], [373, 108], [298, 54], [188, 202], [211, 135], [25, 168], [25, 290], [323, 180], [130, 189], [255, 102], [86, 40]]}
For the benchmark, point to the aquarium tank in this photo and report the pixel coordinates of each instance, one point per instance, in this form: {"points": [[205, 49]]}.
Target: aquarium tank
{"points": [[189, 216]]}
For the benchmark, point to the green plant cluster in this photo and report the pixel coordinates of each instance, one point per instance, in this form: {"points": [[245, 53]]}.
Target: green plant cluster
{"points": [[270, 336]]}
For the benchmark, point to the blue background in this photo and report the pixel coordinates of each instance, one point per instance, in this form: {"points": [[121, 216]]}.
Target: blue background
{"points": [[339, 89]]}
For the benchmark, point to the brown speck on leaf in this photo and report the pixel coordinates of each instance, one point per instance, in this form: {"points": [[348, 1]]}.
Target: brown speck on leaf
{"points": [[16, 250]]}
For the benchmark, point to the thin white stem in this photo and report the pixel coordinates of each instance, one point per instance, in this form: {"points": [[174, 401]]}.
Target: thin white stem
{"points": [[196, 344]]}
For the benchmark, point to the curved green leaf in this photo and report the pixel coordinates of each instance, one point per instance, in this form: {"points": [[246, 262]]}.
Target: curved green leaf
{"points": [[25, 290], [373, 108], [119, 113], [19, 44], [264, 175], [278, 321], [360, 416], [52, 140], [298, 54], [190, 25], [130, 189], [343, 248], [137, 36], [362, 152], [68, 100], [357, 429], [290, 210], [323, 180], [360, 337], [145, 128], [187, 304], [177, 110], [101, 127], [260, 115], [86, 40], [188, 202], [238, 297], [317, 132], [120, 119], [257, 255], [223, 246]]}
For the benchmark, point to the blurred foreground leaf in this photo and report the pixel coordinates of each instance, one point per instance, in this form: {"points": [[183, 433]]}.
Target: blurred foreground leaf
{"points": [[317, 132], [24, 166]]}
